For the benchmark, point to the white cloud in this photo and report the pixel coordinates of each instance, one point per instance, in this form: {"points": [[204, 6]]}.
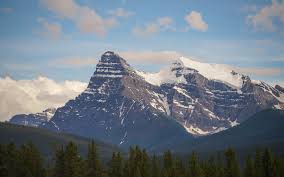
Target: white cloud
{"points": [[150, 57], [120, 12], [195, 21], [6, 10], [31, 96], [74, 61], [86, 19], [50, 29], [165, 21], [161, 23], [265, 17]]}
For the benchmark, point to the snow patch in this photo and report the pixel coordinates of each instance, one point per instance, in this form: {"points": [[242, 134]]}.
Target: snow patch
{"points": [[217, 72]]}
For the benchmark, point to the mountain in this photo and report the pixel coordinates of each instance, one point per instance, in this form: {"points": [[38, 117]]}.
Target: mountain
{"points": [[47, 140], [264, 129], [33, 120], [125, 106], [116, 107]]}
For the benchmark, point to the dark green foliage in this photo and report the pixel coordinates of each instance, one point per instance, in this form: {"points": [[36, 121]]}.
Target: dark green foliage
{"points": [[268, 164], [194, 167], [155, 167], [116, 165], [231, 168], [249, 170], [210, 168], [30, 161], [72, 161], [168, 170], [59, 163], [26, 161], [93, 165]]}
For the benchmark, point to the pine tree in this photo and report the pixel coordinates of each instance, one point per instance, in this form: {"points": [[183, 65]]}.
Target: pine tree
{"points": [[31, 163], [126, 169], [179, 170], [258, 164], [59, 170], [269, 169], [3, 165], [94, 168], [249, 170], [155, 167], [210, 168], [116, 165], [12, 160], [168, 164], [220, 166], [232, 168], [72, 161], [145, 164], [194, 167]]}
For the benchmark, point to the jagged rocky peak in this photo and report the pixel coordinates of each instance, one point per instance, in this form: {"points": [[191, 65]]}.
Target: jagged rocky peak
{"points": [[111, 65], [33, 120], [108, 74]]}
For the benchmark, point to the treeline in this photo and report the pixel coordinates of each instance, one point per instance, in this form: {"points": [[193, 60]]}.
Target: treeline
{"points": [[27, 161]]}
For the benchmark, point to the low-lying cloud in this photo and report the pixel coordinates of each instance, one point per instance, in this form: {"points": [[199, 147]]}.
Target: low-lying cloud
{"points": [[36, 95]]}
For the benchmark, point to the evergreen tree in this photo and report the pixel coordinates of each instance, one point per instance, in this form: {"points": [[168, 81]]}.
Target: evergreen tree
{"points": [[220, 166], [258, 164], [145, 164], [249, 170], [59, 170], [194, 167], [3, 165], [116, 165], [72, 162], [179, 170], [269, 169], [232, 168], [155, 167], [210, 168], [31, 163], [168, 164], [12, 160], [126, 169], [93, 164]]}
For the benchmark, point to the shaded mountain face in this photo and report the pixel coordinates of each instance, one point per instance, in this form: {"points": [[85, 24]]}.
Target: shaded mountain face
{"points": [[115, 108], [262, 130], [124, 106], [33, 120]]}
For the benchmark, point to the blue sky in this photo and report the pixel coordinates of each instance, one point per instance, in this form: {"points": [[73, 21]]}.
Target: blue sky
{"points": [[61, 39]]}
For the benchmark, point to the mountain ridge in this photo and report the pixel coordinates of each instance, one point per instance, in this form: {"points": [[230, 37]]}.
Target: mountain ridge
{"points": [[121, 100]]}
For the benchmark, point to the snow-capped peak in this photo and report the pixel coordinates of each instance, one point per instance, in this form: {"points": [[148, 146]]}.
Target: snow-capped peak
{"points": [[174, 73], [220, 72]]}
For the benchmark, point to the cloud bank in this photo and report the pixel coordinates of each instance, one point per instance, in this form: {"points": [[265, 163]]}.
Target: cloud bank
{"points": [[86, 19], [31, 96], [161, 24], [265, 18]]}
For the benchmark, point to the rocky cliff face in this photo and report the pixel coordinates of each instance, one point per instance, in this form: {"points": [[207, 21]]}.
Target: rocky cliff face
{"points": [[125, 106], [33, 120]]}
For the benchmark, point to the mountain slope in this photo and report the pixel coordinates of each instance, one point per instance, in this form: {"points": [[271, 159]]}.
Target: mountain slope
{"points": [[33, 120], [116, 108], [47, 140], [124, 106], [264, 129]]}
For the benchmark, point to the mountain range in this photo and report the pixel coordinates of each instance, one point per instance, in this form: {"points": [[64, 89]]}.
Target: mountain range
{"points": [[188, 99]]}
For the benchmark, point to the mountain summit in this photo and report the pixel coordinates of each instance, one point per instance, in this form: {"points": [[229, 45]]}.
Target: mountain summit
{"points": [[125, 106]]}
